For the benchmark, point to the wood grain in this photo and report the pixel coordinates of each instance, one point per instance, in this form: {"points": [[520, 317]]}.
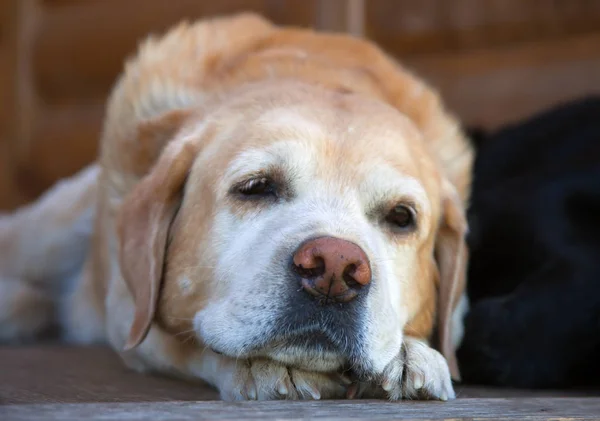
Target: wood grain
{"points": [[432, 26], [493, 87], [65, 140], [18, 99], [81, 47], [56, 382], [480, 409], [20, 112], [341, 16]]}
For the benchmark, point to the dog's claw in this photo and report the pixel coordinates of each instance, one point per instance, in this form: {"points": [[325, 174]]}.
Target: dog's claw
{"points": [[251, 392], [418, 380], [282, 388], [352, 391]]}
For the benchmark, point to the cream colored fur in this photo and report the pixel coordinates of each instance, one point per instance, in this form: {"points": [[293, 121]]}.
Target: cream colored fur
{"points": [[150, 251]]}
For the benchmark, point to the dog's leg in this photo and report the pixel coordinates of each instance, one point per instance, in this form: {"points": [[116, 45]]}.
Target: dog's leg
{"points": [[42, 249]]}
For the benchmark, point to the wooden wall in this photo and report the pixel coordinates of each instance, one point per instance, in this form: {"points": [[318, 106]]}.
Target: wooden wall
{"points": [[495, 61]]}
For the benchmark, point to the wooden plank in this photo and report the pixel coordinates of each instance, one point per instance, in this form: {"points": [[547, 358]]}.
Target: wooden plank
{"points": [[18, 100], [23, 97], [55, 373], [497, 409], [8, 194], [96, 374], [65, 374], [493, 87], [331, 16], [355, 17], [81, 47], [56, 382], [64, 141], [428, 26], [341, 16]]}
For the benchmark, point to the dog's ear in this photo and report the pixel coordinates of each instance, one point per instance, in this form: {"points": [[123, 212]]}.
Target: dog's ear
{"points": [[451, 255], [143, 223]]}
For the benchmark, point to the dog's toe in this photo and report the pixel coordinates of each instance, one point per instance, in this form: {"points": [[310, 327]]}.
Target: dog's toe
{"points": [[262, 379], [417, 372]]}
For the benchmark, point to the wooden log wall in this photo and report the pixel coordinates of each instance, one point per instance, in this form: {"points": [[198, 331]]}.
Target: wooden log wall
{"points": [[495, 61]]}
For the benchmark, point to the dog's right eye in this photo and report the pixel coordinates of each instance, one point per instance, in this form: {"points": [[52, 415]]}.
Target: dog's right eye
{"points": [[402, 217], [257, 187]]}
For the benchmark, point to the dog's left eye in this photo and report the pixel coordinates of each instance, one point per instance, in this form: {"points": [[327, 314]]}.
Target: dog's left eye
{"points": [[261, 186]]}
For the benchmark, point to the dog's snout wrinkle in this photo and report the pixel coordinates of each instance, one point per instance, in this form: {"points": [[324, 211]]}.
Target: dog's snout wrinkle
{"points": [[332, 269]]}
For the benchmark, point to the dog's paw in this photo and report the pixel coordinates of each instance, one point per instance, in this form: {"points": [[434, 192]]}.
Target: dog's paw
{"points": [[262, 379], [417, 372]]}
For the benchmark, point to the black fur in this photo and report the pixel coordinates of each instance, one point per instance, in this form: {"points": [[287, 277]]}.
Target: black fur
{"points": [[534, 272]]}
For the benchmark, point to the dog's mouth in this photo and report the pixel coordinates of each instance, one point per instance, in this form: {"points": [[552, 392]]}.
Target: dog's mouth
{"points": [[316, 341], [307, 341], [313, 350]]}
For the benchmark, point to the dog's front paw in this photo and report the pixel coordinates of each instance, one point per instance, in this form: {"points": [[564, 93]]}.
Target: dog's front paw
{"points": [[418, 372], [262, 379]]}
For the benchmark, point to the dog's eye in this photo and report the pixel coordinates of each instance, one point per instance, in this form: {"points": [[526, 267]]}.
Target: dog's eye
{"points": [[401, 216], [261, 186]]}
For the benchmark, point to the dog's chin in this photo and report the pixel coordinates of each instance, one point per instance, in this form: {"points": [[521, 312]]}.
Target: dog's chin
{"points": [[313, 352], [307, 351]]}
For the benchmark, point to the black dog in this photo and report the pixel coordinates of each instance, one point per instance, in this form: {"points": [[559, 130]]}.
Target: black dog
{"points": [[534, 274]]}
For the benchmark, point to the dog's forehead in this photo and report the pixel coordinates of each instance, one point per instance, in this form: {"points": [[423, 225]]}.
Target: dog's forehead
{"points": [[291, 122], [340, 132], [342, 150]]}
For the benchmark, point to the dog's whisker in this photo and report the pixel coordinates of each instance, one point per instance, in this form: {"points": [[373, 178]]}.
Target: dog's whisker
{"points": [[185, 332], [185, 319], [203, 267]]}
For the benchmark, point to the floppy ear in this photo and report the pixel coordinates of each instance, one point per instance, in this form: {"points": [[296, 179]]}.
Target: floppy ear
{"points": [[451, 255], [143, 222]]}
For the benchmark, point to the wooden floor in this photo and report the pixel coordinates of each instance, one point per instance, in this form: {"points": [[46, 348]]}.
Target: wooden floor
{"points": [[58, 383]]}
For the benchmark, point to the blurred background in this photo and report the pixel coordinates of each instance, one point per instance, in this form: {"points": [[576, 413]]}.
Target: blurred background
{"points": [[495, 62]]}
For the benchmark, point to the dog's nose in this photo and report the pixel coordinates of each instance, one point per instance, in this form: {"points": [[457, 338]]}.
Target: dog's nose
{"points": [[332, 269]]}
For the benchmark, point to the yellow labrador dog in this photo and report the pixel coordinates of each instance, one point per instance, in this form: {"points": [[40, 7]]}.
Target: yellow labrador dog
{"points": [[277, 212]]}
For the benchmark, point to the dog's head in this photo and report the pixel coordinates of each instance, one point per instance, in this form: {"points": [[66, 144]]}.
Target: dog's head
{"points": [[309, 226]]}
